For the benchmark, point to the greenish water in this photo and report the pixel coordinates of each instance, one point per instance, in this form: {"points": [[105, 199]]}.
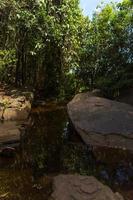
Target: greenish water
{"points": [[49, 147]]}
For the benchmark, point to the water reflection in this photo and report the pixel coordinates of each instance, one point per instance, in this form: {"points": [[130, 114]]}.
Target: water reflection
{"points": [[44, 141], [19, 185], [49, 147]]}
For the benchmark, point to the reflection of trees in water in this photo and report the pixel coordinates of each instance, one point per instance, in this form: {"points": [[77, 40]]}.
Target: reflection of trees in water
{"points": [[78, 158], [44, 140], [49, 148]]}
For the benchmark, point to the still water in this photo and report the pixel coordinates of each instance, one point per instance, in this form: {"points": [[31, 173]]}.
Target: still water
{"points": [[49, 147]]}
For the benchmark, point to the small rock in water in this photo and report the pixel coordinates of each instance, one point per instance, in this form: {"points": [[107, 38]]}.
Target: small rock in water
{"points": [[8, 152]]}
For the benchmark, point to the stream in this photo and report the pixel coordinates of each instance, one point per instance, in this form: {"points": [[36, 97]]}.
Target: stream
{"points": [[49, 146]]}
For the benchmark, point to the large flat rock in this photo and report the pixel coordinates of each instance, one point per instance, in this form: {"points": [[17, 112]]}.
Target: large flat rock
{"points": [[103, 122], [76, 187]]}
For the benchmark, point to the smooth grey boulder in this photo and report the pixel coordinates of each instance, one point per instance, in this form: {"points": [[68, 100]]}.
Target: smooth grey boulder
{"points": [[77, 187], [102, 122]]}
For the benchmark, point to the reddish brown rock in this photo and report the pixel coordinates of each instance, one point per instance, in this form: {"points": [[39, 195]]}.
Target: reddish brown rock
{"points": [[17, 113], [10, 133], [15, 104], [15, 107]]}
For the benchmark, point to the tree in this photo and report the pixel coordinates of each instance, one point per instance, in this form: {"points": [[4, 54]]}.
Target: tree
{"points": [[107, 58]]}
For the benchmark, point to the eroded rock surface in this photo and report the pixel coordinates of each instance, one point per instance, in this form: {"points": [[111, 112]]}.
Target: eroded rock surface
{"points": [[76, 187], [9, 131], [103, 122], [15, 107]]}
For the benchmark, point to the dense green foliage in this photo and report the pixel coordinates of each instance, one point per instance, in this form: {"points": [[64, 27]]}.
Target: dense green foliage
{"points": [[49, 45], [107, 58]]}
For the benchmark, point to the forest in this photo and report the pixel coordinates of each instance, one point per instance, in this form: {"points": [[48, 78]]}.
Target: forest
{"points": [[51, 46], [66, 100]]}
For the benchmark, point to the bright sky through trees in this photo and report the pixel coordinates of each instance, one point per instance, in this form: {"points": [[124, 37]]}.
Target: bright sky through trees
{"points": [[89, 6]]}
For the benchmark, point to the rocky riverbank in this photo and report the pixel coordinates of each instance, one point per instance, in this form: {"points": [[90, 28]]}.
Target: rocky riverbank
{"points": [[15, 106]]}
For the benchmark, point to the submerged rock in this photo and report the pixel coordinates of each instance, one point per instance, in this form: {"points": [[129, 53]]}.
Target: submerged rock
{"points": [[8, 152], [76, 187], [102, 122]]}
